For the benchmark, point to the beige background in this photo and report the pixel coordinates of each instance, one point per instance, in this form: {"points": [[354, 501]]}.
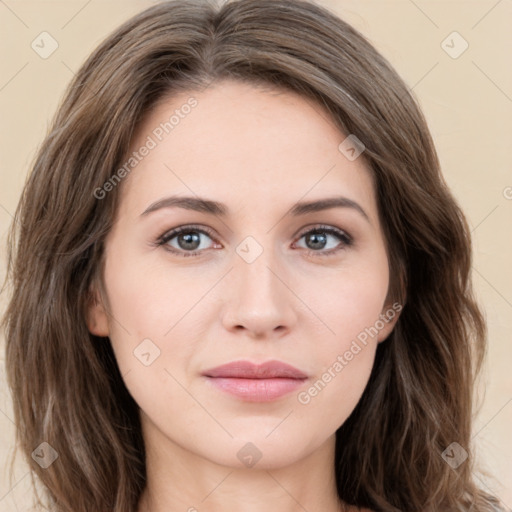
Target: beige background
{"points": [[467, 101]]}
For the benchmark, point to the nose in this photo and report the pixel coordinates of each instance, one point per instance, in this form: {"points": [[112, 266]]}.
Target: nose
{"points": [[258, 298]]}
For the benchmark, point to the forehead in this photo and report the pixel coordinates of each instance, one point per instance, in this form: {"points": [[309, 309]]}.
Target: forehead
{"points": [[245, 146]]}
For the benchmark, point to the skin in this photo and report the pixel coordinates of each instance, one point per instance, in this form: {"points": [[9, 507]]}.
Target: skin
{"points": [[259, 151]]}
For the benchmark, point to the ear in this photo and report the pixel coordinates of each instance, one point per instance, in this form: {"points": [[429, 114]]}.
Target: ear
{"points": [[389, 317], [96, 314]]}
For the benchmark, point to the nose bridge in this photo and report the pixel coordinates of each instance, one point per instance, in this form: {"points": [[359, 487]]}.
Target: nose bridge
{"points": [[255, 259], [257, 298]]}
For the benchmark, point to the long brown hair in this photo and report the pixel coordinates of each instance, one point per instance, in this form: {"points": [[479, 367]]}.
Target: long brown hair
{"points": [[66, 387]]}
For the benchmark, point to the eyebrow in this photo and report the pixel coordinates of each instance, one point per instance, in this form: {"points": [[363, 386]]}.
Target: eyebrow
{"points": [[203, 205]]}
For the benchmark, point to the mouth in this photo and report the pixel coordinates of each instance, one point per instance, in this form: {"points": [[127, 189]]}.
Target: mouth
{"points": [[256, 383]]}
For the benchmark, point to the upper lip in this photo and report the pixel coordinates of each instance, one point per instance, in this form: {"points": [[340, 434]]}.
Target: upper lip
{"points": [[248, 370]]}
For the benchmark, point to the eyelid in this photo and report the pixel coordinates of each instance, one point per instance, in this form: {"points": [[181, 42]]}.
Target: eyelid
{"points": [[324, 228], [171, 233]]}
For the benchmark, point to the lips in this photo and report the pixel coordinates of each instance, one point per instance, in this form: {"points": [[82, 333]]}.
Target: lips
{"points": [[248, 370], [256, 383]]}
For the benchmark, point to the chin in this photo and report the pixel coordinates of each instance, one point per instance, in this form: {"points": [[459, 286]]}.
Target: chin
{"points": [[257, 451]]}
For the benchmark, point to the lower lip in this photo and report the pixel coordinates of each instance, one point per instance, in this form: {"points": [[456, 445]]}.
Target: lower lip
{"points": [[256, 390]]}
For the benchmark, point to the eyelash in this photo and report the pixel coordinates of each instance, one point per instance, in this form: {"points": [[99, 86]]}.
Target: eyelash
{"points": [[345, 239]]}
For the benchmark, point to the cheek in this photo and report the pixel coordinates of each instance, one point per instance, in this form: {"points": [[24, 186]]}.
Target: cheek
{"points": [[157, 323], [349, 303], [342, 360], [349, 300], [143, 304], [148, 296], [330, 398], [146, 308]]}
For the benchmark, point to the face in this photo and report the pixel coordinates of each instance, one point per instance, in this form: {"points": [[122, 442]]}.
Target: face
{"points": [[254, 275]]}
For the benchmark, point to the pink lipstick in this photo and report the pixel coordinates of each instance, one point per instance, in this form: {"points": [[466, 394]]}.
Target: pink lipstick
{"points": [[256, 382]]}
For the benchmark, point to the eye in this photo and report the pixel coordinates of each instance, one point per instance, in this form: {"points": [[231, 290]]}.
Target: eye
{"points": [[317, 239], [186, 240]]}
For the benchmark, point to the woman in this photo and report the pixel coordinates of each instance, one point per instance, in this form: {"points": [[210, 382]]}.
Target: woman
{"points": [[239, 280]]}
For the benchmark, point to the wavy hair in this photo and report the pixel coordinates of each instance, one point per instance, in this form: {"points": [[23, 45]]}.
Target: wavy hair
{"points": [[65, 383]]}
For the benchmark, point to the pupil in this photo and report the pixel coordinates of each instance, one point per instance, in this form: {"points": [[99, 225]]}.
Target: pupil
{"points": [[314, 238], [189, 238]]}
